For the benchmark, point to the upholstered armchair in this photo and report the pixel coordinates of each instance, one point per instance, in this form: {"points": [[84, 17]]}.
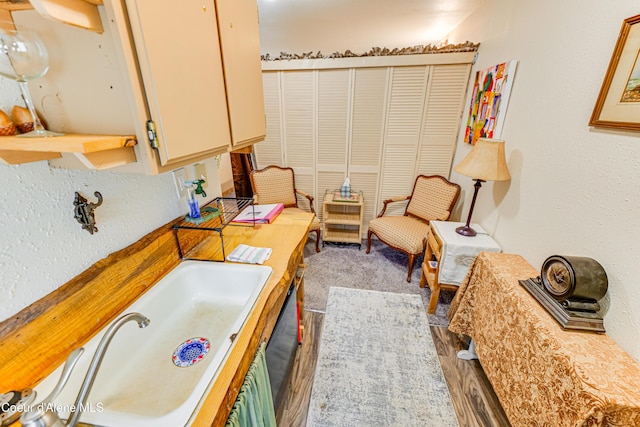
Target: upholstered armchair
{"points": [[274, 184], [432, 198]]}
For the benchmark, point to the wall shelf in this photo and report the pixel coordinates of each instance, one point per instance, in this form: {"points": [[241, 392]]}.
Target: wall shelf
{"points": [[94, 151], [15, 5], [79, 13]]}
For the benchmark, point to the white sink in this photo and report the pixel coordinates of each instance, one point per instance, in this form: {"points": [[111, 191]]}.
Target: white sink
{"points": [[138, 383]]}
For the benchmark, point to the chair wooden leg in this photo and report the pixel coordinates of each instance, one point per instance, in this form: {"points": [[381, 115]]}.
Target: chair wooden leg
{"points": [[423, 276], [433, 300], [368, 241], [318, 240], [412, 257]]}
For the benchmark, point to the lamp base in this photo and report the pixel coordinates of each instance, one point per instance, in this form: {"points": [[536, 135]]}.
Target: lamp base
{"points": [[465, 230]]}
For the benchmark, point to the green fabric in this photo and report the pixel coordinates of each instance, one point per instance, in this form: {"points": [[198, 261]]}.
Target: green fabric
{"points": [[254, 405]]}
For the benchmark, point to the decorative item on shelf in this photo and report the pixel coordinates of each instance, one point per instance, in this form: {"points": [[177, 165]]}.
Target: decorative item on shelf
{"points": [[378, 51], [194, 207], [570, 288], [199, 190], [485, 162], [22, 118], [7, 127], [24, 57], [345, 190], [84, 211]]}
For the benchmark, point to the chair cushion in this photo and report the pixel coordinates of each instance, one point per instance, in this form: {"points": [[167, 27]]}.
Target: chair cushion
{"points": [[403, 232], [315, 225]]}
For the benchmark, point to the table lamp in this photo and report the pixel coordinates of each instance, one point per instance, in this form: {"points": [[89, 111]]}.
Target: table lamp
{"points": [[485, 162]]}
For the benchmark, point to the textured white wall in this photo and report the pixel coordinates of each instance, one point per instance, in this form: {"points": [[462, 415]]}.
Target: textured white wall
{"points": [[574, 189], [42, 246], [329, 26]]}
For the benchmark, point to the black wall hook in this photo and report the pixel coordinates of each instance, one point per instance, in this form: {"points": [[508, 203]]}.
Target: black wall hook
{"points": [[84, 211]]}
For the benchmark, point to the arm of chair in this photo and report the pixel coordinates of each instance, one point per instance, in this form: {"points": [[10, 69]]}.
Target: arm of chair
{"points": [[309, 197], [391, 200]]}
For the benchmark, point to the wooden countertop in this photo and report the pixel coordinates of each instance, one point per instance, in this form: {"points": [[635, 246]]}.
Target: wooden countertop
{"points": [[39, 338], [287, 236]]}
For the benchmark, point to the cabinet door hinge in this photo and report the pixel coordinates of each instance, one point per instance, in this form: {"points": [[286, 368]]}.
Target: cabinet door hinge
{"points": [[151, 134]]}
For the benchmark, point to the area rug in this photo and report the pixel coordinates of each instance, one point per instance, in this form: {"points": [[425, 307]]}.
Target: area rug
{"points": [[377, 364], [383, 269]]}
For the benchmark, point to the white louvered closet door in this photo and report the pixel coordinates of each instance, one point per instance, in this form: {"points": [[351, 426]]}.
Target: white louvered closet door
{"points": [[299, 128], [333, 112], [442, 115], [367, 131], [379, 125], [402, 134], [269, 151]]}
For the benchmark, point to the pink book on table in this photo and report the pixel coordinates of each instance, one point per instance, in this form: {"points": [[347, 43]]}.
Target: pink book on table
{"points": [[264, 214]]}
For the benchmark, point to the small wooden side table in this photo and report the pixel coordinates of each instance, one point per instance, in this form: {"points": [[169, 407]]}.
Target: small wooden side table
{"points": [[342, 220], [453, 255]]}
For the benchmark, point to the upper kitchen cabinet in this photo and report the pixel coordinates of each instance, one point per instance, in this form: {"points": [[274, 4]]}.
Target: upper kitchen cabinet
{"points": [[240, 41], [179, 56], [183, 78]]}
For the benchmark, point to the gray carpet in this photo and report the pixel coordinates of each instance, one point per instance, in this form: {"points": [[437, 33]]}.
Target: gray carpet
{"points": [[377, 364], [383, 269]]}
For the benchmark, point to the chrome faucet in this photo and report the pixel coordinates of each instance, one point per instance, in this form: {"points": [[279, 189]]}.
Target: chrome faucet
{"points": [[43, 415]]}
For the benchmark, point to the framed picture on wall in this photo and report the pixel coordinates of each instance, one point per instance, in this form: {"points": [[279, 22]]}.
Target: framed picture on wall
{"points": [[618, 104]]}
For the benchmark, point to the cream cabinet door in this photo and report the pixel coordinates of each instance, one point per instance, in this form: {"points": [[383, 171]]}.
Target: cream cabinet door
{"points": [[240, 42], [180, 62]]}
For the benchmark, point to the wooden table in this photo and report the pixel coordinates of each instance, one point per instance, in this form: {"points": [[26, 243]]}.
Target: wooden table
{"points": [[287, 236], [453, 254], [543, 375]]}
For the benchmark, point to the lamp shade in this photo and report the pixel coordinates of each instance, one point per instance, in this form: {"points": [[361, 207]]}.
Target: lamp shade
{"points": [[486, 161]]}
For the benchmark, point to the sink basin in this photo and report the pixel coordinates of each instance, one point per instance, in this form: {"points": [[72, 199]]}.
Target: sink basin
{"points": [[141, 383]]}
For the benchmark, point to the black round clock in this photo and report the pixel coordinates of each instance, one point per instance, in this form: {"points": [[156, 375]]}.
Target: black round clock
{"points": [[578, 278]]}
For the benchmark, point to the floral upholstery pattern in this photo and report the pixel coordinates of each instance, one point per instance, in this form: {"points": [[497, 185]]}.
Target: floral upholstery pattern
{"points": [[543, 375]]}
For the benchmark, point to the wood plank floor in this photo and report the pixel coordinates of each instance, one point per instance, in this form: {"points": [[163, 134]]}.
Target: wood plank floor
{"points": [[475, 402], [471, 393]]}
